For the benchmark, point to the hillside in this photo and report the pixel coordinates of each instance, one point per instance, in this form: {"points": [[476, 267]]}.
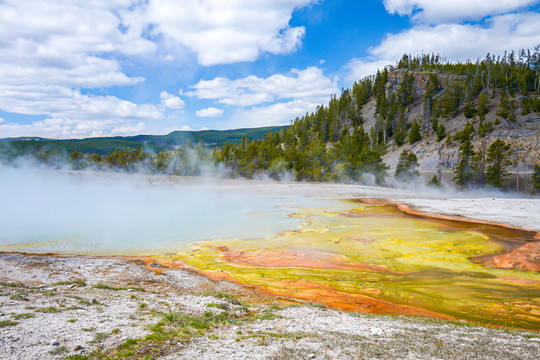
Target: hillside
{"points": [[455, 111], [155, 143]]}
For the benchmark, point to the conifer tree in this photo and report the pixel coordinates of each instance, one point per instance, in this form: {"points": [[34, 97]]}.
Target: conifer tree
{"points": [[498, 159], [464, 168], [414, 134], [536, 177], [406, 167], [434, 182]]}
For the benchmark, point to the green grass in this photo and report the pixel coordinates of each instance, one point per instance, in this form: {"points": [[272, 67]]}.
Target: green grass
{"points": [[77, 357], [12, 284], [218, 306], [58, 350], [79, 282], [6, 323], [231, 299], [23, 316], [20, 295], [48, 310], [115, 288]]}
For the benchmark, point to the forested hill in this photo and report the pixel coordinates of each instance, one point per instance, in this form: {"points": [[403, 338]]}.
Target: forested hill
{"points": [[469, 124], [154, 143], [422, 114]]}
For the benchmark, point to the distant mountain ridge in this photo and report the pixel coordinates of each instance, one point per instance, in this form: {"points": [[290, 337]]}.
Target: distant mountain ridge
{"points": [[105, 145]]}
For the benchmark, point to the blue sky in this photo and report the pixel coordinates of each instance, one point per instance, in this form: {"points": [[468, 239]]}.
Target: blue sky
{"points": [[75, 69]]}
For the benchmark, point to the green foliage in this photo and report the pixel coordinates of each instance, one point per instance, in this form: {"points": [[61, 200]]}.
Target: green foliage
{"points": [[464, 169], [441, 132], [6, 323], [414, 134], [529, 104], [401, 132], [507, 108], [406, 167], [406, 90], [536, 177], [498, 159], [465, 166], [482, 106], [434, 182], [484, 128]]}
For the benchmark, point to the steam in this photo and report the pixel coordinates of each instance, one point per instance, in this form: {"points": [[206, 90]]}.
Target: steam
{"points": [[48, 210]]}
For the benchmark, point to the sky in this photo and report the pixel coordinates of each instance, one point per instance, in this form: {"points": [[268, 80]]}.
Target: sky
{"points": [[77, 69]]}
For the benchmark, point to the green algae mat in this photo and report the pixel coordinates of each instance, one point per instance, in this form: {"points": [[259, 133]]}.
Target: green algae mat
{"points": [[374, 258]]}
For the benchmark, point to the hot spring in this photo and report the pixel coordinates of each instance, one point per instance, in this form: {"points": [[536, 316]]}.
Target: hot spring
{"points": [[348, 254]]}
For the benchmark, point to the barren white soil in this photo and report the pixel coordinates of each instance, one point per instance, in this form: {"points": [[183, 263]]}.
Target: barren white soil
{"points": [[61, 307]]}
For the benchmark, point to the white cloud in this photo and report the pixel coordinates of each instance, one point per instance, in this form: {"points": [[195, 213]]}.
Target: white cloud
{"points": [[453, 41], [209, 112], [224, 32], [309, 84], [280, 113], [71, 113], [66, 43], [447, 11], [171, 101], [53, 49], [186, 128]]}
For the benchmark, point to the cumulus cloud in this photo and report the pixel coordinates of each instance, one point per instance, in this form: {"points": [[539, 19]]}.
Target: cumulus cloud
{"points": [[447, 11], [71, 113], [455, 41], [171, 101], [224, 32], [209, 112], [280, 113], [292, 94], [53, 49], [309, 84]]}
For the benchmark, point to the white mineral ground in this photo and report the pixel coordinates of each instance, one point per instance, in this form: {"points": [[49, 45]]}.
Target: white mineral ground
{"points": [[41, 319]]}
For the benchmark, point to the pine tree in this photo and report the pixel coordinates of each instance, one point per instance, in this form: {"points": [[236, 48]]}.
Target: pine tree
{"points": [[406, 167], [414, 134], [434, 182], [482, 107], [506, 109], [536, 177], [401, 131], [464, 168], [441, 132], [498, 157]]}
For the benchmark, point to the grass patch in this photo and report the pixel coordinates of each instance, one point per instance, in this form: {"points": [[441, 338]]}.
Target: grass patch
{"points": [[115, 288], [6, 323], [78, 282], [173, 330], [72, 320], [23, 316], [47, 310], [20, 295], [77, 357], [231, 299], [58, 350], [218, 306], [12, 284], [267, 314], [98, 337]]}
